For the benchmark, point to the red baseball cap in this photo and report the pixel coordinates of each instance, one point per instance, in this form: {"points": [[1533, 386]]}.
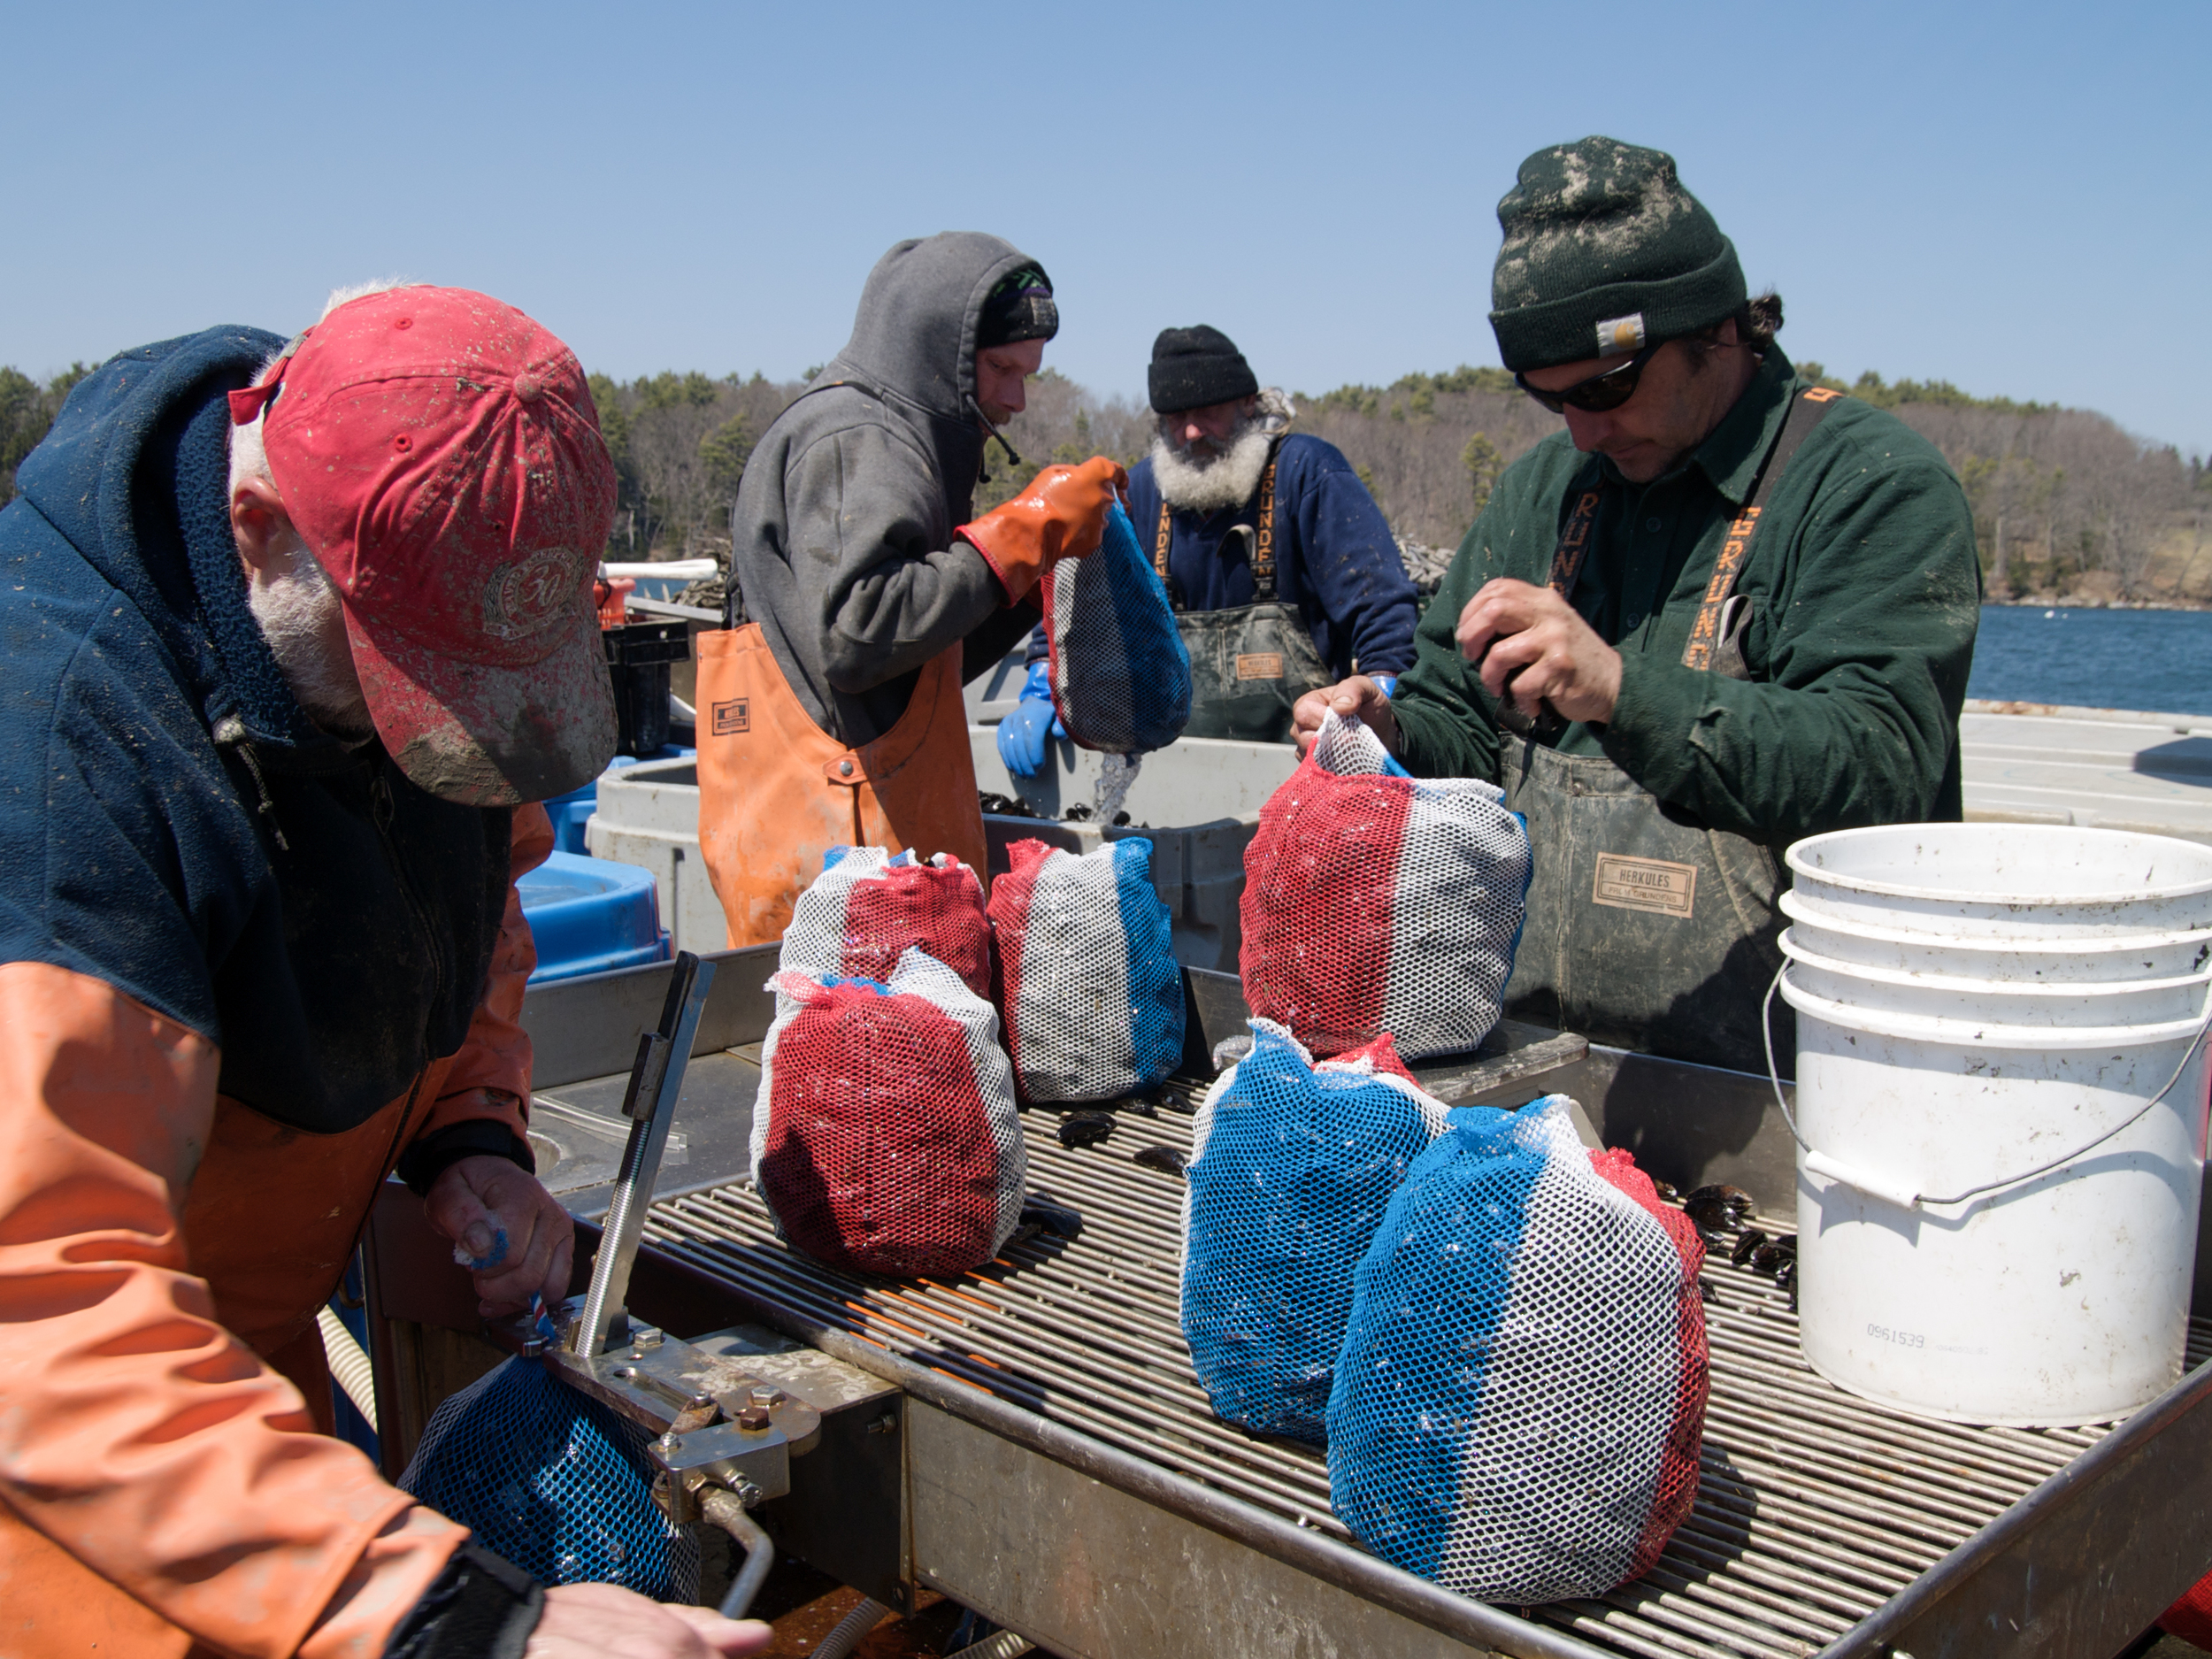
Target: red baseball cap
{"points": [[439, 452]]}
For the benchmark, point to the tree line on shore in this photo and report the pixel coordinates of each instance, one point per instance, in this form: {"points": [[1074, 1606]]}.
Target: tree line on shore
{"points": [[2066, 505]]}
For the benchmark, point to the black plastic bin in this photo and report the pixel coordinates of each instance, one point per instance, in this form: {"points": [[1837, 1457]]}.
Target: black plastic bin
{"points": [[638, 656]]}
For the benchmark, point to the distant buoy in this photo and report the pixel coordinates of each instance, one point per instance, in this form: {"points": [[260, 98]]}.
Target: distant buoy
{"points": [[2048, 615]]}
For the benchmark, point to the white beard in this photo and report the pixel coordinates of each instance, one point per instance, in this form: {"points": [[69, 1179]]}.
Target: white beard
{"points": [[1228, 481], [304, 624]]}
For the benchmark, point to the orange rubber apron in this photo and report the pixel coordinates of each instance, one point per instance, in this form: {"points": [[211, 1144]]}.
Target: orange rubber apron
{"points": [[776, 791]]}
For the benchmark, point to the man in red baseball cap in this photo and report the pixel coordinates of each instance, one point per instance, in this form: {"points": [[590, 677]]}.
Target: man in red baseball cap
{"points": [[294, 636]]}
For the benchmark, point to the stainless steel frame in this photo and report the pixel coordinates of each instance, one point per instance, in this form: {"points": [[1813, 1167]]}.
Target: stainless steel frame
{"points": [[1054, 1471]]}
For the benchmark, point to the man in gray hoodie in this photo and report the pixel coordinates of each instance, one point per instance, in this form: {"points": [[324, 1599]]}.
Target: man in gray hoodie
{"points": [[834, 716]]}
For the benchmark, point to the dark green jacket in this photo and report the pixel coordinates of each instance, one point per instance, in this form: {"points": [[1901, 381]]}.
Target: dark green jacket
{"points": [[1865, 595]]}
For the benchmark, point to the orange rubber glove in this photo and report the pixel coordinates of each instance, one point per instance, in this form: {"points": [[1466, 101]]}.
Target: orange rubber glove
{"points": [[1061, 514]]}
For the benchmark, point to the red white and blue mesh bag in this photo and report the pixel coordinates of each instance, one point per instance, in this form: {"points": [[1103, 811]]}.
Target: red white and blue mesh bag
{"points": [[1120, 670], [1521, 1395], [868, 905], [1378, 902], [884, 1138], [1292, 1164], [1089, 987]]}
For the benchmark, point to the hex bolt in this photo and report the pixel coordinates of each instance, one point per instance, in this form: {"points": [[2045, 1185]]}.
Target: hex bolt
{"points": [[753, 1418], [767, 1396], [887, 1424]]}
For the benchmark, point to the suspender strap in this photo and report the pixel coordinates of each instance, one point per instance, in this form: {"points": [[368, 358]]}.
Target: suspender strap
{"points": [[1574, 544], [1263, 552], [1262, 548], [1806, 412]]}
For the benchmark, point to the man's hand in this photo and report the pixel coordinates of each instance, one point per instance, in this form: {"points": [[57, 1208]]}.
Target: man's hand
{"points": [[598, 1621], [1358, 696], [1511, 625], [514, 1234]]}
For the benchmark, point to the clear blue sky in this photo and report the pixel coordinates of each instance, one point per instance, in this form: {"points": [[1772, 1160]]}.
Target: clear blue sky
{"points": [[2014, 197]]}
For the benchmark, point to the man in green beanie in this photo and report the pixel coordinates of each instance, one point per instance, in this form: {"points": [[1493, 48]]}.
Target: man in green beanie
{"points": [[1724, 609]]}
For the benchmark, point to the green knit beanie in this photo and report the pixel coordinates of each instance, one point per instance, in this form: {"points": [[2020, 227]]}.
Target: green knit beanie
{"points": [[1605, 252]]}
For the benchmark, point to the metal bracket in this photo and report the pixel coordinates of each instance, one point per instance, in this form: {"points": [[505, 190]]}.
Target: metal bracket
{"points": [[714, 1421]]}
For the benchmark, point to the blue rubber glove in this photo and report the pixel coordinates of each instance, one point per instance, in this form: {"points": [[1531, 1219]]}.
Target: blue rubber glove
{"points": [[1023, 734]]}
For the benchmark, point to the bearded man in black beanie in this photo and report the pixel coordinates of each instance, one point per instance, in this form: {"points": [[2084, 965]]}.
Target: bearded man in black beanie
{"points": [[1724, 609], [1284, 574]]}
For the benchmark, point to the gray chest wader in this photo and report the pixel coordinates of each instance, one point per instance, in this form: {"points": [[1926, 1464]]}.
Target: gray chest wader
{"points": [[1644, 929], [1249, 664]]}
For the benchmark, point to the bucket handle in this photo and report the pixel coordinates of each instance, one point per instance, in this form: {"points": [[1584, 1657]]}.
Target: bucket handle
{"points": [[1911, 1197]]}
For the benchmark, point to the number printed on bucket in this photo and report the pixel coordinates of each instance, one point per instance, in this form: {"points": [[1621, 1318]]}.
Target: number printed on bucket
{"points": [[1903, 1338]]}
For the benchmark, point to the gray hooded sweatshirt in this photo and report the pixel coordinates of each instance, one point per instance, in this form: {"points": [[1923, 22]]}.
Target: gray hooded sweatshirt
{"points": [[844, 550]]}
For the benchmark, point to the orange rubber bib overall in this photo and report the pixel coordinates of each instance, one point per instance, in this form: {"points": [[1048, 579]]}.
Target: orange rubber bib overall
{"points": [[776, 791]]}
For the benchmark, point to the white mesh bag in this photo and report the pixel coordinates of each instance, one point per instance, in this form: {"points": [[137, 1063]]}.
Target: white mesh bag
{"points": [[858, 917], [1291, 1166], [1377, 902], [885, 1137], [1089, 984], [1520, 1398]]}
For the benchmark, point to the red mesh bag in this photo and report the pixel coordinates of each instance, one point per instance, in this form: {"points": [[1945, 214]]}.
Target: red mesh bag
{"points": [[1677, 1487], [2191, 1617], [868, 905], [884, 1138], [1376, 901]]}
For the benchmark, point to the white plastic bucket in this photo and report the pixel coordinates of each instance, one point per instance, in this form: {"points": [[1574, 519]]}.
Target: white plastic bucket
{"points": [[2030, 1002], [2056, 1300], [2027, 958], [1965, 881]]}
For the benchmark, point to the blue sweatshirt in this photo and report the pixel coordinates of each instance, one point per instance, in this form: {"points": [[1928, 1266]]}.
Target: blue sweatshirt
{"points": [[172, 824], [1335, 560]]}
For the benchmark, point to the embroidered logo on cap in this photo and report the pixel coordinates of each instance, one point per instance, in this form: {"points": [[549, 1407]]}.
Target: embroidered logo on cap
{"points": [[1621, 333], [521, 599]]}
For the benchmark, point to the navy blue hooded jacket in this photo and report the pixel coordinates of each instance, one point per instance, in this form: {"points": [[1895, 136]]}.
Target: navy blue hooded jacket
{"points": [[171, 821], [1335, 559]]}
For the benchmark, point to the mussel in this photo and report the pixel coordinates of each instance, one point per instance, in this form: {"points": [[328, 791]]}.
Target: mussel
{"points": [[1717, 1208], [1167, 1160], [1086, 1129]]}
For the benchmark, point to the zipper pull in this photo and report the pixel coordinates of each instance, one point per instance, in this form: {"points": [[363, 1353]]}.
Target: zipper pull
{"points": [[380, 800]]}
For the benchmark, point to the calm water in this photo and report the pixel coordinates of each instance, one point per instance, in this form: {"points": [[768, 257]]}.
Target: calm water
{"points": [[2100, 659]]}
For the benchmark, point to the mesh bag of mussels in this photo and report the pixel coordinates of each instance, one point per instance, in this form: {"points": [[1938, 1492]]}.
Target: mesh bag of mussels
{"points": [[868, 905], [1120, 670], [553, 1481], [885, 1137], [1377, 902], [1089, 985], [1291, 1166], [1521, 1395]]}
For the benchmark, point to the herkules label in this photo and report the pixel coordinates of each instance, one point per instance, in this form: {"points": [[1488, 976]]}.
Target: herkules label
{"points": [[1645, 884], [732, 718], [1259, 665]]}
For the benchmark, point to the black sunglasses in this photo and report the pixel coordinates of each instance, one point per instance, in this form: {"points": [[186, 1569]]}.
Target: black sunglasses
{"points": [[1608, 389]]}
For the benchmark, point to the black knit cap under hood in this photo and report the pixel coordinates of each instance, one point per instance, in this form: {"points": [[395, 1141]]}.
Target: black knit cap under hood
{"points": [[1021, 307]]}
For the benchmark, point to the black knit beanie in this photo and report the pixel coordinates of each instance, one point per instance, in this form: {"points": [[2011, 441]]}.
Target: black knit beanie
{"points": [[1193, 367], [1020, 307], [1605, 252]]}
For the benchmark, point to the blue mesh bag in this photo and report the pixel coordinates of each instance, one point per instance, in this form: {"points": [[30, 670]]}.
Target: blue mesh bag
{"points": [[1292, 1164], [554, 1482], [1520, 1400], [1119, 670]]}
